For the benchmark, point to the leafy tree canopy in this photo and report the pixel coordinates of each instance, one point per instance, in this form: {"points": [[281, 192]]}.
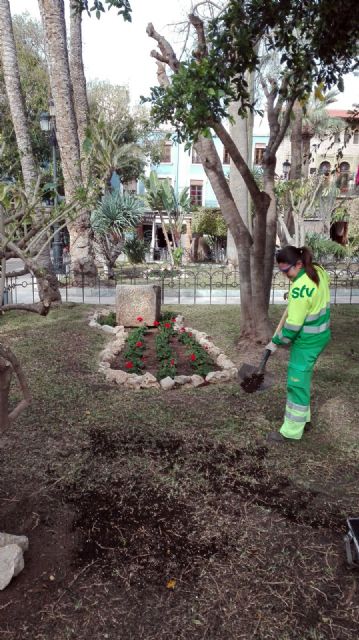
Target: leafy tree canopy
{"points": [[316, 40], [123, 6]]}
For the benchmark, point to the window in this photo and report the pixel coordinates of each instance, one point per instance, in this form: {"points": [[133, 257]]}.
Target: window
{"points": [[196, 192], [130, 187], [259, 150], [195, 157], [324, 168], [166, 153], [226, 156], [356, 137]]}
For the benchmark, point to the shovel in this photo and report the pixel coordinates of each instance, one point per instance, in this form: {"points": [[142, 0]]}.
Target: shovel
{"points": [[253, 377]]}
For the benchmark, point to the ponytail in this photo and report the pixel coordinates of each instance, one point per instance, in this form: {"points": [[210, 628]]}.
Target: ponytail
{"points": [[308, 264], [291, 255]]}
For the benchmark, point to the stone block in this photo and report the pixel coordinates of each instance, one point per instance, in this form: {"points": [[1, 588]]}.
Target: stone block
{"points": [[196, 380], [182, 379], [11, 563], [167, 383], [218, 376], [137, 301]]}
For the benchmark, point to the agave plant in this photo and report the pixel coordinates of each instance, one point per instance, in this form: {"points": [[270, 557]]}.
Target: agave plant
{"points": [[116, 213]]}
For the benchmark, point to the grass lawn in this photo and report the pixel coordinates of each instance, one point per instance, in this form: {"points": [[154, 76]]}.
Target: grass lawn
{"points": [[164, 514]]}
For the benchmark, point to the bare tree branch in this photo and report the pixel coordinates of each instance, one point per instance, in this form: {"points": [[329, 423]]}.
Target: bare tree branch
{"points": [[165, 48], [198, 24]]}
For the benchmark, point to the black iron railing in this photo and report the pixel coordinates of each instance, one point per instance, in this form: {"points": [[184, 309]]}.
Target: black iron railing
{"points": [[210, 284]]}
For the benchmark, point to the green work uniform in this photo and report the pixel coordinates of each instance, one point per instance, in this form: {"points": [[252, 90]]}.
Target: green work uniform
{"points": [[307, 330]]}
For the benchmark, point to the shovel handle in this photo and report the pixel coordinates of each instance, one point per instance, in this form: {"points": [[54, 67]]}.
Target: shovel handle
{"points": [[281, 322], [266, 355]]}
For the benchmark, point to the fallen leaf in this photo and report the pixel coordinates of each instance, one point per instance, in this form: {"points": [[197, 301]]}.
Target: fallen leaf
{"points": [[171, 584]]}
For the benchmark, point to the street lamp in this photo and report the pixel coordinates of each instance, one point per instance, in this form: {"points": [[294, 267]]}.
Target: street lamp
{"points": [[286, 169], [48, 125]]}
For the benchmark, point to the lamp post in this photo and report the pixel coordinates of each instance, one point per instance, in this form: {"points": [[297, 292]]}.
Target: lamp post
{"points": [[48, 125], [286, 169]]}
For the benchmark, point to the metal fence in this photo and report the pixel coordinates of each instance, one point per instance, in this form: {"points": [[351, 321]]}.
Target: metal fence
{"points": [[202, 284]]}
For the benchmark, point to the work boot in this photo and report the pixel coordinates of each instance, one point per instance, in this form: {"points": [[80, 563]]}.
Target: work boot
{"points": [[308, 427], [274, 437]]}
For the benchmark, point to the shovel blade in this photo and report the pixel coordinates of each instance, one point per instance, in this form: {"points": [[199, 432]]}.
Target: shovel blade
{"points": [[247, 370]]}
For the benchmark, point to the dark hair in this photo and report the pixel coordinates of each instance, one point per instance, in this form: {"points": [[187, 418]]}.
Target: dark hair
{"points": [[291, 255]]}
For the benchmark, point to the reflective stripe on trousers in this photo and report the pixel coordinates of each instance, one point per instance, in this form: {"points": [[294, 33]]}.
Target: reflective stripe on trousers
{"points": [[300, 370]]}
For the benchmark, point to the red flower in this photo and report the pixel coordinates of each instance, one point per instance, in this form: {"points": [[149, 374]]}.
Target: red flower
{"points": [[190, 334], [183, 329], [129, 364], [139, 319], [172, 362], [156, 323], [193, 357], [173, 319], [139, 344], [167, 325]]}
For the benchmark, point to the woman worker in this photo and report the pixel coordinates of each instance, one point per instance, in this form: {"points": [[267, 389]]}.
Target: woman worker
{"points": [[307, 331]]}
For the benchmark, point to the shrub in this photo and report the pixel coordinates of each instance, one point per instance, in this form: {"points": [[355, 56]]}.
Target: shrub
{"points": [[135, 250], [110, 319]]}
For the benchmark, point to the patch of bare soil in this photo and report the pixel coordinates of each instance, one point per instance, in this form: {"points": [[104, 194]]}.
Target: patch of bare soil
{"points": [[205, 542]]}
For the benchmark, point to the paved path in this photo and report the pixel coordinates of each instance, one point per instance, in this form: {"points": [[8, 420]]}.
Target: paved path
{"points": [[26, 292]]}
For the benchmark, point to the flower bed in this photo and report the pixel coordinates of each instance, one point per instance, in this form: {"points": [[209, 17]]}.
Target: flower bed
{"points": [[165, 356]]}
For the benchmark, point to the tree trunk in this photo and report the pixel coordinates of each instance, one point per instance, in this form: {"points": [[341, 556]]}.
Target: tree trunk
{"points": [[296, 143], [53, 19], [271, 224], [306, 154], [23, 140], [254, 310], [239, 133], [5, 380], [169, 248], [78, 78]]}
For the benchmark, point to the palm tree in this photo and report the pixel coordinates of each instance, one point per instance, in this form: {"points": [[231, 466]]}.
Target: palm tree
{"points": [[154, 199], [177, 206], [108, 153], [310, 120], [317, 122], [53, 20], [18, 115], [161, 197], [114, 214], [78, 78]]}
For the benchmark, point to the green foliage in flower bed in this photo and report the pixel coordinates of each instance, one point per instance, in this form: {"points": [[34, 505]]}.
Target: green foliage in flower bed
{"points": [[200, 360], [110, 319], [164, 352], [133, 352]]}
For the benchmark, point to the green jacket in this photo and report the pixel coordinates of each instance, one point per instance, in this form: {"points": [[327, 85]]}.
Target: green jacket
{"points": [[308, 317]]}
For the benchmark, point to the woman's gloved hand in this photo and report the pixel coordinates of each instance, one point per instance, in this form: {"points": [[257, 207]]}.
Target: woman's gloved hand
{"points": [[271, 347]]}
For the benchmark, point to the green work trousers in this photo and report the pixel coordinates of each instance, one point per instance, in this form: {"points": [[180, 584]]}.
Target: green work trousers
{"points": [[303, 356]]}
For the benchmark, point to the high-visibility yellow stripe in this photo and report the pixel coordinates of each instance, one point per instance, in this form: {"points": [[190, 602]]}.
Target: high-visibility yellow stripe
{"points": [[316, 329], [299, 407]]}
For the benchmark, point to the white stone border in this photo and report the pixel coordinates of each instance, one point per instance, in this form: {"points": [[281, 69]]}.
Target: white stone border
{"points": [[134, 381]]}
